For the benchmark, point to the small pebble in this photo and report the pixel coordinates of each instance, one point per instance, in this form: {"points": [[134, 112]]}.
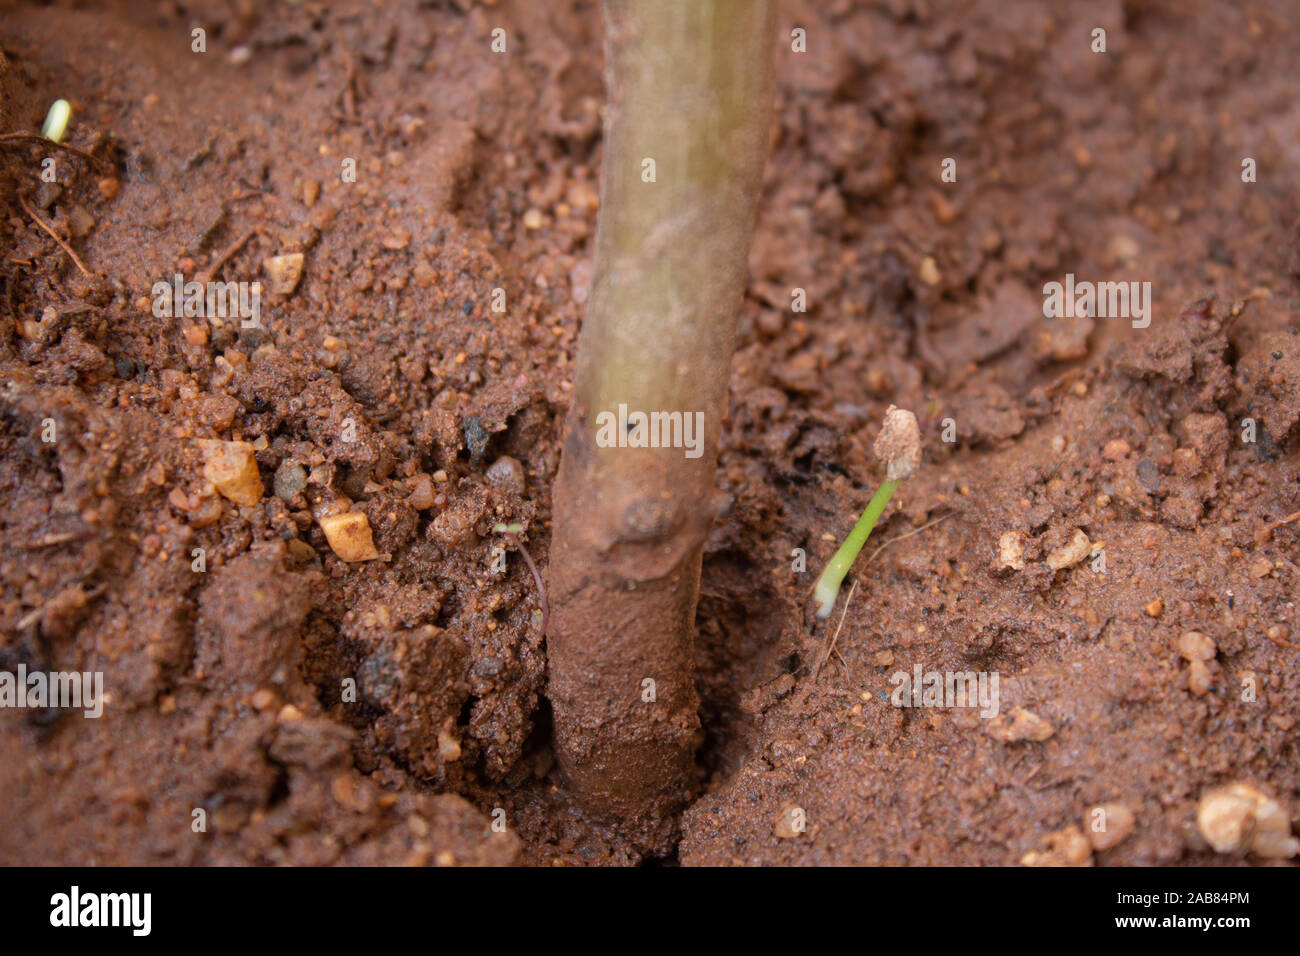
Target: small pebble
{"points": [[1066, 847], [789, 822], [349, 536], [928, 271], [1068, 555], [1108, 824], [232, 469], [507, 474], [1116, 450], [1195, 646], [1239, 819], [1011, 551], [290, 479], [284, 272], [1019, 724], [420, 497]]}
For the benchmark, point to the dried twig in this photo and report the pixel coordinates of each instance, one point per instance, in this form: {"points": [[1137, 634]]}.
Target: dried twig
{"points": [[55, 236], [234, 247], [1274, 525]]}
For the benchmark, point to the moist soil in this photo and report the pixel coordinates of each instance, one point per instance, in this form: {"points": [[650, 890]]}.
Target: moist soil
{"points": [[284, 706]]}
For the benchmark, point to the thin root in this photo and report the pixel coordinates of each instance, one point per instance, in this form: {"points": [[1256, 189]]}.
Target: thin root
{"points": [[37, 138], [222, 259], [831, 648], [55, 236], [537, 578]]}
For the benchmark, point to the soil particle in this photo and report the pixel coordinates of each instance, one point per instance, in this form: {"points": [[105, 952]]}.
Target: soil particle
{"points": [[1019, 724], [1239, 818], [248, 619], [1108, 825], [1066, 847]]}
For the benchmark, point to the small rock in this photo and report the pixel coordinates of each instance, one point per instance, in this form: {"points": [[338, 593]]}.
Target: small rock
{"points": [[507, 474], [1148, 474], [799, 374], [1011, 551], [1239, 818], [928, 271], [789, 822], [284, 272], [1187, 463], [1200, 678], [1156, 608], [1019, 724], [80, 222], [476, 439], [349, 536], [290, 478], [232, 469], [448, 745], [1195, 646], [1066, 847], [1108, 825], [420, 496], [1068, 555], [1116, 450]]}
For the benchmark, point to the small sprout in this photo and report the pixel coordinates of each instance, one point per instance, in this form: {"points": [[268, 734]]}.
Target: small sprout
{"points": [[899, 446], [512, 533], [56, 120]]}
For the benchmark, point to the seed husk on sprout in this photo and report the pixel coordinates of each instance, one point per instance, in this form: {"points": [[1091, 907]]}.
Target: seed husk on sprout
{"points": [[899, 446]]}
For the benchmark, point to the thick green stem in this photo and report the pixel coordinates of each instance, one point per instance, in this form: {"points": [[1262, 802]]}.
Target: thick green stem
{"points": [[828, 585]]}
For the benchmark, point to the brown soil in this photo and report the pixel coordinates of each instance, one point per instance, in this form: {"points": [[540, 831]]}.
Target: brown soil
{"points": [[229, 688]]}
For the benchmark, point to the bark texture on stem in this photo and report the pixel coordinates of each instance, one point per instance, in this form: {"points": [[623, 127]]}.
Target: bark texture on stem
{"points": [[688, 88]]}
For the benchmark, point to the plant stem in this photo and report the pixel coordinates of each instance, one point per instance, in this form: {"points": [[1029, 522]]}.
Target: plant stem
{"points": [[689, 87], [828, 585]]}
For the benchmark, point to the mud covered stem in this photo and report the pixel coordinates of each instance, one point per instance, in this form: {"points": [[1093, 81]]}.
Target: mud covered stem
{"points": [[686, 134]]}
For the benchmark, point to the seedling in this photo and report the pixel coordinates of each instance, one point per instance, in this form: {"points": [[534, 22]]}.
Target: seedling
{"points": [[899, 446], [56, 120], [512, 534]]}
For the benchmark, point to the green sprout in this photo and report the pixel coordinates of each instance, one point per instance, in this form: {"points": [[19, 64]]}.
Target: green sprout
{"points": [[56, 120], [899, 446]]}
